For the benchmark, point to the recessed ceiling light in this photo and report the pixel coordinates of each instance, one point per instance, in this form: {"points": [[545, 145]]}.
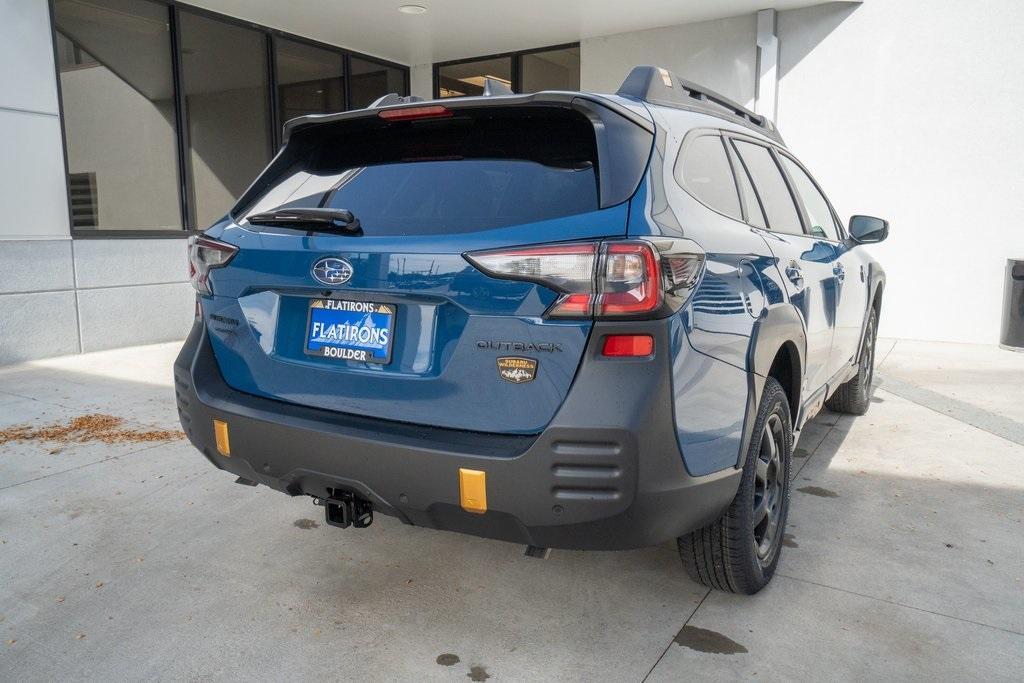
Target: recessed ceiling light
{"points": [[412, 9]]}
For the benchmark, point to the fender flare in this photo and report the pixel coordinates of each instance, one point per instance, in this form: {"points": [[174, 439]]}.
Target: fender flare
{"points": [[778, 325]]}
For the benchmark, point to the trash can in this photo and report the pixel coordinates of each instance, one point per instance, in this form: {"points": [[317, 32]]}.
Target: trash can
{"points": [[1011, 337]]}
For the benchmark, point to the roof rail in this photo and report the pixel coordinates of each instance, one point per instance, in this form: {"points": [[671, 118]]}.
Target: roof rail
{"points": [[660, 86], [394, 98]]}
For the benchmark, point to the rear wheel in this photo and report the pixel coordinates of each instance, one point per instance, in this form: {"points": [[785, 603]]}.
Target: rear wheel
{"points": [[854, 396], [739, 552]]}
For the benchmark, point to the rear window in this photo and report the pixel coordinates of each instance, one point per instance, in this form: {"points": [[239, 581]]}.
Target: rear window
{"points": [[473, 171]]}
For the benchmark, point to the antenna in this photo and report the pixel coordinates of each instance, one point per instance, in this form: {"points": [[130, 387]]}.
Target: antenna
{"points": [[494, 88]]}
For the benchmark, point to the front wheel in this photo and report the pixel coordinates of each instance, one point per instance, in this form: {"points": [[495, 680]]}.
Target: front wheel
{"points": [[854, 396], [739, 552]]}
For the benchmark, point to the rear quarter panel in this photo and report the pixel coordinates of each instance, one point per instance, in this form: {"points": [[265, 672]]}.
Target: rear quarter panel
{"points": [[715, 366]]}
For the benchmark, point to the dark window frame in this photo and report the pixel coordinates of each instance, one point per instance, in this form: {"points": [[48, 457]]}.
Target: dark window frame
{"points": [[777, 153], [406, 74], [786, 181], [274, 38], [185, 197], [739, 170], [517, 64]]}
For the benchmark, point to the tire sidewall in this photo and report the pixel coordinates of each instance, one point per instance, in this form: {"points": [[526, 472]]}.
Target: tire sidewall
{"points": [[866, 377], [773, 401]]}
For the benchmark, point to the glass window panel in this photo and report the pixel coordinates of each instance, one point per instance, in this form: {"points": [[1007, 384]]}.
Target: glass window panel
{"points": [[551, 70], [371, 80], [117, 90], [443, 197], [310, 80], [706, 173], [459, 80], [815, 204], [479, 173], [771, 188], [224, 76]]}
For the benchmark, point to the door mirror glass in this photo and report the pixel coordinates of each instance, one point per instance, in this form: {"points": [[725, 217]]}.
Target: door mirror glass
{"points": [[868, 229]]}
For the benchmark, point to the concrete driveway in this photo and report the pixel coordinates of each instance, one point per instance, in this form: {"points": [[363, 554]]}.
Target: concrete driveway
{"points": [[137, 560]]}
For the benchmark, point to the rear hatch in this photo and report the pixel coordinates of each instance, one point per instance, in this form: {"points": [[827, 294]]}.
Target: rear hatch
{"points": [[382, 315]]}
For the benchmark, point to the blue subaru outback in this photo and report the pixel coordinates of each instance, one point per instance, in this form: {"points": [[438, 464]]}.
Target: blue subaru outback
{"points": [[563, 319]]}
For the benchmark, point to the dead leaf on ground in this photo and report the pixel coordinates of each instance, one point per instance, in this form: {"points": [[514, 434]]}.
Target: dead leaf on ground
{"points": [[94, 427]]}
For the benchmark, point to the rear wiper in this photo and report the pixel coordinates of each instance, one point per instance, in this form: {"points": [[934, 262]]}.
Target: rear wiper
{"points": [[340, 221]]}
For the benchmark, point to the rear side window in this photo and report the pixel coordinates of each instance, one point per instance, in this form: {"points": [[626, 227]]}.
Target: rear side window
{"points": [[771, 188], [815, 204], [703, 170]]}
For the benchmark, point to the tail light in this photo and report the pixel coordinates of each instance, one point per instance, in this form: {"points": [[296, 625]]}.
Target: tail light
{"points": [[205, 254], [630, 281], [612, 279]]}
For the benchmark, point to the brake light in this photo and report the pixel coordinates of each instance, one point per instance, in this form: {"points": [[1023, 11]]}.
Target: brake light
{"points": [[625, 345], [611, 279], [631, 282], [410, 113], [205, 254]]}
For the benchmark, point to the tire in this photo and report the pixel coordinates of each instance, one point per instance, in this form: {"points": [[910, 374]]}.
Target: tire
{"points": [[739, 552], [853, 397]]}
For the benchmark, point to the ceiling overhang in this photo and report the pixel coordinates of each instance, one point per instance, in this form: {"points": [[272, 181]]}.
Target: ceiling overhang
{"points": [[456, 29]]}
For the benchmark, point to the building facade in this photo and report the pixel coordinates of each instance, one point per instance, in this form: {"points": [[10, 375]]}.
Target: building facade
{"points": [[126, 125]]}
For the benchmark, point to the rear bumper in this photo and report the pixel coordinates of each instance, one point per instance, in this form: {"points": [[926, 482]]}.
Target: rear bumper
{"points": [[604, 475]]}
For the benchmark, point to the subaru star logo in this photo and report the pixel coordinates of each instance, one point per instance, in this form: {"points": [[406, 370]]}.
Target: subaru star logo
{"points": [[332, 271]]}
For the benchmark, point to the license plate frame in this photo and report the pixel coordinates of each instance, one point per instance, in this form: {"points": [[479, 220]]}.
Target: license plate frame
{"points": [[342, 314]]}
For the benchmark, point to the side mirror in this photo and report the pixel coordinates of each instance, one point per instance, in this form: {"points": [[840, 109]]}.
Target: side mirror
{"points": [[868, 229]]}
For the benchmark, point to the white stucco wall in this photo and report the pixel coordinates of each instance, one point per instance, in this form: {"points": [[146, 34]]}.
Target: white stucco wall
{"points": [[32, 189], [720, 54], [910, 110]]}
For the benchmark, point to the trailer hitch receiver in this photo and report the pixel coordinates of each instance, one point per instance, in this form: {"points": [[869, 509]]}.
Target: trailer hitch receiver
{"points": [[344, 509]]}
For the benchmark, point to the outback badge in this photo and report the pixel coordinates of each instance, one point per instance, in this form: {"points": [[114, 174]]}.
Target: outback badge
{"points": [[517, 370]]}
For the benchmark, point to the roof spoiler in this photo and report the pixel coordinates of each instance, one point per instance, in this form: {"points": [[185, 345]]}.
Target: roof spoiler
{"points": [[660, 86], [393, 98]]}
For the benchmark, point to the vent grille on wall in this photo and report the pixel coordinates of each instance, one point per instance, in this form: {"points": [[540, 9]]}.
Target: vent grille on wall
{"points": [[84, 208]]}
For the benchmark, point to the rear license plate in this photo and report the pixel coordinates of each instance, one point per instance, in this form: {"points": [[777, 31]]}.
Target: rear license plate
{"points": [[359, 331]]}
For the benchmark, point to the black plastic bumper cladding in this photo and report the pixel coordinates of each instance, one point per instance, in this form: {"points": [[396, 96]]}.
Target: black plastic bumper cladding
{"points": [[606, 474]]}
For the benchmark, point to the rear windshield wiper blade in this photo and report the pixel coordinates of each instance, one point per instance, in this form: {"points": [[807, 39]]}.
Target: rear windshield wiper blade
{"points": [[340, 221]]}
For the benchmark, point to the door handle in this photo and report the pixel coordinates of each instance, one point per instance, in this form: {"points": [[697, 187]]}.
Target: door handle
{"points": [[794, 274], [839, 272]]}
